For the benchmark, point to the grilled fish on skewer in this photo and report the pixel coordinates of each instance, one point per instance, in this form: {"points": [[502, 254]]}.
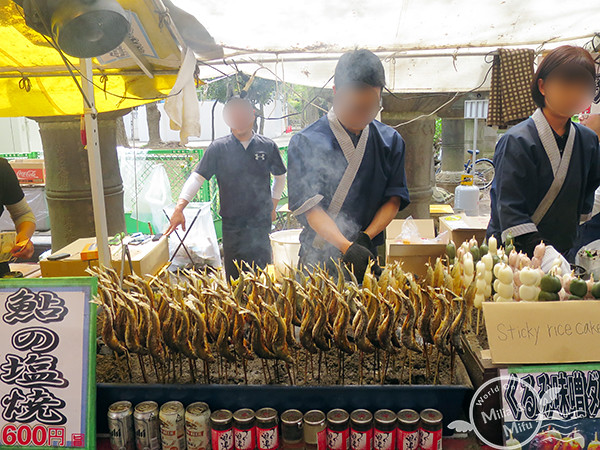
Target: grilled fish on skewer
{"points": [[359, 324], [320, 333], [340, 328], [408, 326], [307, 325]]}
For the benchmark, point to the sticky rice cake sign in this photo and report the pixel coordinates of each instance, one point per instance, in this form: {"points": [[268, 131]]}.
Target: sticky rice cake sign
{"points": [[47, 363], [543, 332]]}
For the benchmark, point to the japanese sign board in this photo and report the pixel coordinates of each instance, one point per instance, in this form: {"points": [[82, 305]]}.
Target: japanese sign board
{"points": [[559, 403], [47, 363]]}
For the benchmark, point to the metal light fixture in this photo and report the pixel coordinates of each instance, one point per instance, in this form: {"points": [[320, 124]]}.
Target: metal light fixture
{"points": [[596, 42], [81, 28]]}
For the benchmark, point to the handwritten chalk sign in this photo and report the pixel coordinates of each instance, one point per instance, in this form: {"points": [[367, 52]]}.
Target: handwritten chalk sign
{"points": [[543, 332], [47, 363]]}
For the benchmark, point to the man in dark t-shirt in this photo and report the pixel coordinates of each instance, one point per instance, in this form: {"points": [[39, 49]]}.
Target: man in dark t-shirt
{"points": [[243, 163], [13, 199]]}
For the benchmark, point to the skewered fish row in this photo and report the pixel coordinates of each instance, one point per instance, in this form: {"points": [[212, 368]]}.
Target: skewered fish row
{"points": [[198, 319]]}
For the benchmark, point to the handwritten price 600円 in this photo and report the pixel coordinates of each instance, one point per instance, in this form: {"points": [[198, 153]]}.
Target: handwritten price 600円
{"points": [[38, 436]]}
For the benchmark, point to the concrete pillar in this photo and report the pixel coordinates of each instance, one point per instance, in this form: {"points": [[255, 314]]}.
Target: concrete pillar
{"points": [[418, 136], [453, 154], [453, 146], [68, 182], [486, 138]]}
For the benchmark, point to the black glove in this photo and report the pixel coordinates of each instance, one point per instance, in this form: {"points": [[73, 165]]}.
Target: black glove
{"points": [[364, 240], [357, 259], [527, 243], [376, 269]]}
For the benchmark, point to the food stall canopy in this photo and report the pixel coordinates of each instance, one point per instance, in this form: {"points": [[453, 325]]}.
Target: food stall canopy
{"points": [[34, 80], [426, 45]]}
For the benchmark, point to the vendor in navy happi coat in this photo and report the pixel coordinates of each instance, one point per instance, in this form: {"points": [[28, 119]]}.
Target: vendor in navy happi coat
{"points": [[547, 167], [346, 171]]}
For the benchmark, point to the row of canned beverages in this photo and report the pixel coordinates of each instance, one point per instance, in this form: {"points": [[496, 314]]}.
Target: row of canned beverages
{"points": [[173, 427]]}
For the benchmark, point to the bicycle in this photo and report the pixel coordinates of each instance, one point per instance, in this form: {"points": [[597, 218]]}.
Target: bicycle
{"points": [[483, 170]]}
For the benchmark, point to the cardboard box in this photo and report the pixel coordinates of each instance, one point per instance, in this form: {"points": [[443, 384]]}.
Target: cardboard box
{"points": [[29, 171], [414, 256], [147, 259], [543, 332], [462, 227], [440, 210], [437, 211]]}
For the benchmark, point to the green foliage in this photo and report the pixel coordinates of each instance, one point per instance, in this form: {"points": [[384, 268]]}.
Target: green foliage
{"points": [[262, 91]]}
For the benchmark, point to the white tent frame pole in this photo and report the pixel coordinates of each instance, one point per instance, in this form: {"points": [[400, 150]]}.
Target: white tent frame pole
{"points": [[93, 153]]}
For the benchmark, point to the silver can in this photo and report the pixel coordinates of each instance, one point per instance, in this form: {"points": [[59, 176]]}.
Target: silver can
{"points": [[145, 422], [120, 425], [197, 426], [172, 428]]}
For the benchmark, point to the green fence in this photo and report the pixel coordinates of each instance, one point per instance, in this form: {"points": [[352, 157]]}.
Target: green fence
{"points": [[178, 163], [32, 155]]}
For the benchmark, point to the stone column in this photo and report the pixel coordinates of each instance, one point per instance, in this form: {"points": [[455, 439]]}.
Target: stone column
{"points": [[68, 181], [453, 146], [418, 136]]}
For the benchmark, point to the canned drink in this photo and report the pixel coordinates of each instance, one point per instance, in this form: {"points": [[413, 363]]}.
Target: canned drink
{"points": [[361, 430], [244, 430], [338, 429], [120, 425], [172, 428], [430, 433], [384, 433], [221, 422], [147, 430], [267, 429], [315, 430], [197, 426], [408, 429]]}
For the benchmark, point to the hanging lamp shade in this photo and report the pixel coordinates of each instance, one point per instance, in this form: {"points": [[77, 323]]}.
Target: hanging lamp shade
{"points": [[81, 28], [86, 29]]}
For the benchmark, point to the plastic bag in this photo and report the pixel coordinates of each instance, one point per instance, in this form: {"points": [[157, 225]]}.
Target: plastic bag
{"points": [[133, 163], [155, 195], [201, 241], [410, 235], [36, 199]]}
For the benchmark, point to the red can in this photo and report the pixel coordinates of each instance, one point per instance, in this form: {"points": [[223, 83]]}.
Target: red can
{"points": [[384, 435], [267, 429], [408, 430], [430, 433], [243, 429], [361, 430], [338, 429], [221, 423]]}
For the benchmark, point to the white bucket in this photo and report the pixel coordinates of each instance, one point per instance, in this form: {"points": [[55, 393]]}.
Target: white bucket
{"points": [[286, 246]]}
